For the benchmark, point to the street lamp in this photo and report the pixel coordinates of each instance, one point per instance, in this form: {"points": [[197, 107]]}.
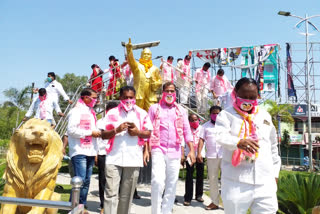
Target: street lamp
{"points": [[307, 23]]}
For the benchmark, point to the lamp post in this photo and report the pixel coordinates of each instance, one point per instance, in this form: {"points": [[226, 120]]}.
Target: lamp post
{"points": [[307, 22]]}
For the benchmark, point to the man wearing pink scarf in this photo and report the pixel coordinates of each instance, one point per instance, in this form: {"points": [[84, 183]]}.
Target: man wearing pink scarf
{"points": [[82, 139], [170, 128], [220, 84], [202, 79], [126, 127], [167, 71], [43, 107], [184, 79]]}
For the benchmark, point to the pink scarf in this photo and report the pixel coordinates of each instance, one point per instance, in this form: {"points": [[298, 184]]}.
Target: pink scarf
{"points": [[42, 106], [247, 130], [222, 82], [155, 136], [80, 101], [113, 118], [195, 138]]}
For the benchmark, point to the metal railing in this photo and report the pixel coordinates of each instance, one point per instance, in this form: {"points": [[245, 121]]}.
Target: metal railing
{"points": [[73, 206]]}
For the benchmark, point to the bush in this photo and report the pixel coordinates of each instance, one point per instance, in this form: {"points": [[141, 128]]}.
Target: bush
{"points": [[298, 193]]}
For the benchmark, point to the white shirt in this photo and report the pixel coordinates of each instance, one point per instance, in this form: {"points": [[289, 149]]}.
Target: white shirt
{"points": [[76, 133], [196, 137], [54, 89], [214, 150], [267, 166], [102, 144], [49, 103], [125, 151]]}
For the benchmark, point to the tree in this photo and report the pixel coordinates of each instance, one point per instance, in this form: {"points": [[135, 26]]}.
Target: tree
{"points": [[281, 110], [19, 98], [285, 141], [71, 82]]}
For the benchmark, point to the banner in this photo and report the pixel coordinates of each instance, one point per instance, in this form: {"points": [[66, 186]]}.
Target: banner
{"points": [[291, 90]]}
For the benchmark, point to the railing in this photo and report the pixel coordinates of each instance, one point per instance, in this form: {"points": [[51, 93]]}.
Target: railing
{"points": [[74, 205], [296, 161], [191, 105]]}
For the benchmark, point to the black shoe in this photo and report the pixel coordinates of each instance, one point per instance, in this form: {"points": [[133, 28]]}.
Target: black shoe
{"points": [[136, 196], [176, 200]]}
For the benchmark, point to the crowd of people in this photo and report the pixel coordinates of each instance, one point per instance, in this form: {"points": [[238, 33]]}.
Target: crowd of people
{"points": [[238, 143], [204, 85]]}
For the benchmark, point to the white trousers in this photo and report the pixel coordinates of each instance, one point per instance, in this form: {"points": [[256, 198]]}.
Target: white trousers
{"points": [[202, 100], [164, 177], [214, 166], [184, 94], [238, 197]]}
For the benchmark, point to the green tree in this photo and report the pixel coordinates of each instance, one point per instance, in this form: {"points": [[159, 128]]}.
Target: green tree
{"points": [[285, 141], [298, 193], [20, 99], [281, 110], [71, 82]]}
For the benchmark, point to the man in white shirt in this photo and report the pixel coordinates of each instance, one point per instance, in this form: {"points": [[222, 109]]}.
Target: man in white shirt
{"points": [[126, 128], [82, 139], [55, 89], [167, 71], [214, 155], [202, 79], [43, 107], [101, 157]]}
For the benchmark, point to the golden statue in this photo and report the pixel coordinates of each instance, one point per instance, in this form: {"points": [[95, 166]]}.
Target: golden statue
{"points": [[33, 161], [146, 77]]}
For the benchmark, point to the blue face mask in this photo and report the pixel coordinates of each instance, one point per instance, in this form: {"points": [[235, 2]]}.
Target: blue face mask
{"points": [[49, 79]]}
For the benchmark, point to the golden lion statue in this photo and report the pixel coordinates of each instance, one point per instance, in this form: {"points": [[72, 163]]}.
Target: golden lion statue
{"points": [[33, 161]]}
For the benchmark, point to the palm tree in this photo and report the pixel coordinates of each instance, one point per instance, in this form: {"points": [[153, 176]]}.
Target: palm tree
{"points": [[298, 193], [280, 110], [19, 98]]}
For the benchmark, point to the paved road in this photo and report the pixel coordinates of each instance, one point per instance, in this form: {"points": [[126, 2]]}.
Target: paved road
{"points": [[143, 205]]}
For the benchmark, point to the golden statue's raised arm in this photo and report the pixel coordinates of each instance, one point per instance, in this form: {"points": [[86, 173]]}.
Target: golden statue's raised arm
{"points": [[130, 58]]}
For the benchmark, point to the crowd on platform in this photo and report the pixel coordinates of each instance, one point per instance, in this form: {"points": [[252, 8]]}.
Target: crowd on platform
{"points": [[239, 140]]}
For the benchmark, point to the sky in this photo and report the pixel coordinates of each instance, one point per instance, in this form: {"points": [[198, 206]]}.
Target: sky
{"points": [[38, 36]]}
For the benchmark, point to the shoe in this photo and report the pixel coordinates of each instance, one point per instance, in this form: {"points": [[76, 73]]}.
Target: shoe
{"points": [[176, 200], [212, 206], [186, 203], [136, 196], [101, 211], [200, 199]]}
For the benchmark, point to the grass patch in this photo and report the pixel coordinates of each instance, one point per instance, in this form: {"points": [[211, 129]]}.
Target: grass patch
{"points": [[64, 190]]}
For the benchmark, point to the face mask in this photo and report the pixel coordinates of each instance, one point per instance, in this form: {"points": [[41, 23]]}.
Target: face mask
{"points": [[169, 98], [213, 117], [194, 124], [128, 104], [42, 98], [245, 104], [92, 103], [49, 79]]}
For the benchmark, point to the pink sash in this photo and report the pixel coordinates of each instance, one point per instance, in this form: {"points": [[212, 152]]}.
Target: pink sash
{"points": [[222, 82], [112, 118], [247, 130], [155, 136], [195, 138], [43, 111], [85, 124]]}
